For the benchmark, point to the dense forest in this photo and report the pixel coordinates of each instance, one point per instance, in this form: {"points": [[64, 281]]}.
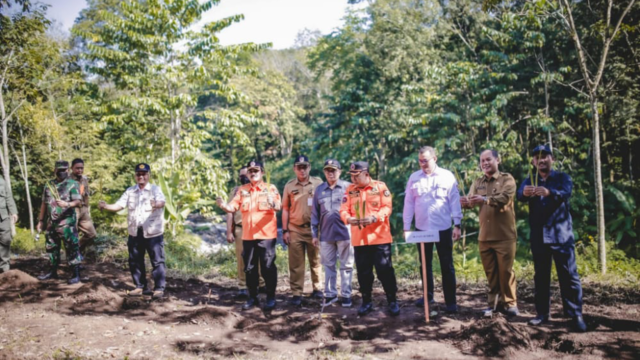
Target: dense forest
{"points": [[139, 81]]}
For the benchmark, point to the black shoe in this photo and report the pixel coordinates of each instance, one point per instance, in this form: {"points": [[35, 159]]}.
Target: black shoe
{"points": [[538, 320], [262, 290], [578, 324], [242, 294], [317, 294], [76, 276], [295, 301], [420, 303], [251, 303], [394, 309], [52, 274], [451, 309], [147, 292], [365, 308], [270, 305]]}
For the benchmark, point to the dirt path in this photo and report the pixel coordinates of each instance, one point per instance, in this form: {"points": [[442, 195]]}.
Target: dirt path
{"points": [[201, 319]]}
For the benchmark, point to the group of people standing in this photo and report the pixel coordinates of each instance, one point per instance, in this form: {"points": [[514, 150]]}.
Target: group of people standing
{"points": [[338, 221]]}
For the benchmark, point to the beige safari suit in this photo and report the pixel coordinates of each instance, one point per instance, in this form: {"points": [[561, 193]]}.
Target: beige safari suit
{"points": [[296, 197], [497, 239], [85, 223]]}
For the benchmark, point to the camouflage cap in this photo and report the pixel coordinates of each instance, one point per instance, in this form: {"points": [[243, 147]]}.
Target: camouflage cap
{"points": [[62, 164]]}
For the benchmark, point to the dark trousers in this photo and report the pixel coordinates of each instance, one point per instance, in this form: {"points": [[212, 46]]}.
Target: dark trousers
{"points": [[570, 287], [379, 256], [445, 254], [138, 245], [261, 252]]}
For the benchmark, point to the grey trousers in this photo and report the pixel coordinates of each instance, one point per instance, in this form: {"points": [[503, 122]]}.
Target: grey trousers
{"points": [[330, 251]]}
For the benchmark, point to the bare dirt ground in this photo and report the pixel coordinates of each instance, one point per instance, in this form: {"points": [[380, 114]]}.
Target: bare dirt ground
{"points": [[201, 319]]}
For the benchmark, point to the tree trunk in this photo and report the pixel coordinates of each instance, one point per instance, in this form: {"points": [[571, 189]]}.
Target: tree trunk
{"points": [[25, 175], [597, 174]]}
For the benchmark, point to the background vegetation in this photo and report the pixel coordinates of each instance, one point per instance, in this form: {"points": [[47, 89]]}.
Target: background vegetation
{"points": [[138, 81]]}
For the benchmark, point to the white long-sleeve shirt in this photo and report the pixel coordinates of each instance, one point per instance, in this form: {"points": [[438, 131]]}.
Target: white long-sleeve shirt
{"points": [[433, 199]]}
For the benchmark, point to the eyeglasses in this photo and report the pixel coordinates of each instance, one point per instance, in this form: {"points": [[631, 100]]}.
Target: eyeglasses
{"points": [[424, 161], [253, 171], [141, 174]]}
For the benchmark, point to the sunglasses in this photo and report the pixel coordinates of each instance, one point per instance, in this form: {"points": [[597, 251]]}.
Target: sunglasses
{"points": [[253, 171], [424, 161]]}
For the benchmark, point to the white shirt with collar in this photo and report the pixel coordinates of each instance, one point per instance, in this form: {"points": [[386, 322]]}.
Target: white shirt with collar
{"points": [[433, 199], [138, 203]]}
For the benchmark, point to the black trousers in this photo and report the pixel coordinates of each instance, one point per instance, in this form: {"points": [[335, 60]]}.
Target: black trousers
{"points": [[138, 245], [261, 252], [379, 256], [570, 288], [445, 254]]}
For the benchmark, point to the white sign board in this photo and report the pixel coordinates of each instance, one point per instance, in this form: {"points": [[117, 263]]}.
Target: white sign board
{"points": [[431, 236]]}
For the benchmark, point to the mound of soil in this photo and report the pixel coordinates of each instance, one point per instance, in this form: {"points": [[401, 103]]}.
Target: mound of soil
{"points": [[16, 280], [204, 316], [492, 337], [95, 296]]}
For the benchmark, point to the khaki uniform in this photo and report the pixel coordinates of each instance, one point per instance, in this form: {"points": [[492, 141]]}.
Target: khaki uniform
{"points": [[7, 208], [237, 234], [85, 223], [297, 198], [497, 239]]}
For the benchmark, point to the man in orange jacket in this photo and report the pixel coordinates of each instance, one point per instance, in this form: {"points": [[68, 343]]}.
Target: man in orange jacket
{"points": [[258, 203], [366, 206]]}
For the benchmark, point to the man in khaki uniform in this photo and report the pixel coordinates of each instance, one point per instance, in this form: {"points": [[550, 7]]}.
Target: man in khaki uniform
{"points": [[234, 235], [85, 223], [296, 229], [494, 193], [8, 215]]}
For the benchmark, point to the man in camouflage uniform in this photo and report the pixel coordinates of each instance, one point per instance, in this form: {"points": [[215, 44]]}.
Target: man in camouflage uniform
{"points": [[85, 224], [61, 221], [8, 214]]}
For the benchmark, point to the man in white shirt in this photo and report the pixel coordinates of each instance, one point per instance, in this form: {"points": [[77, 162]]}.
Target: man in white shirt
{"points": [[432, 197], [145, 203]]}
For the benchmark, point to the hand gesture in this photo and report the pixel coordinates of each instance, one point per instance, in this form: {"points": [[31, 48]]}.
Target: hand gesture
{"points": [[353, 221], [366, 221], [528, 190], [101, 204], [464, 201], [541, 191], [62, 203], [476, 200], [456, 233]]}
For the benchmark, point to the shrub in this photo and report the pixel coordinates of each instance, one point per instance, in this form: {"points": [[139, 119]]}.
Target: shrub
{"points": [[24, 243]]}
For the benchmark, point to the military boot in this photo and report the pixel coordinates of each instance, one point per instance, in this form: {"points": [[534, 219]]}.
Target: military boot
{"points": [[52, 274], [76, 276]]}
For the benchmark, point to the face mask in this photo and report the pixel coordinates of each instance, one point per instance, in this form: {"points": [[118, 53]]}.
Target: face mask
{"points": [[244, 179], [62, 175]]}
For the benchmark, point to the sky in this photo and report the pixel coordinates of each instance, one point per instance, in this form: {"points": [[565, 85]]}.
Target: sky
{"points": [[275, 21]]}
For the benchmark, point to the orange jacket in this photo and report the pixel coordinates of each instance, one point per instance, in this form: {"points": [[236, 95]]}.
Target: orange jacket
{"points": [[378, 203], [258, 217]]}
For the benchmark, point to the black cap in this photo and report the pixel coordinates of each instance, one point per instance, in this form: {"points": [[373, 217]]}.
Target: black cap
{"points": [[62, 164], [544, 149], [301, 160], [358, 166], [332, 163], [254, 164], [142, 167]]}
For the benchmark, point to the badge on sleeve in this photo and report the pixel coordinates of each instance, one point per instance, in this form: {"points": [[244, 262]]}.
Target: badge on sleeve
{"points": [[387, 193], [344, 199]]}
